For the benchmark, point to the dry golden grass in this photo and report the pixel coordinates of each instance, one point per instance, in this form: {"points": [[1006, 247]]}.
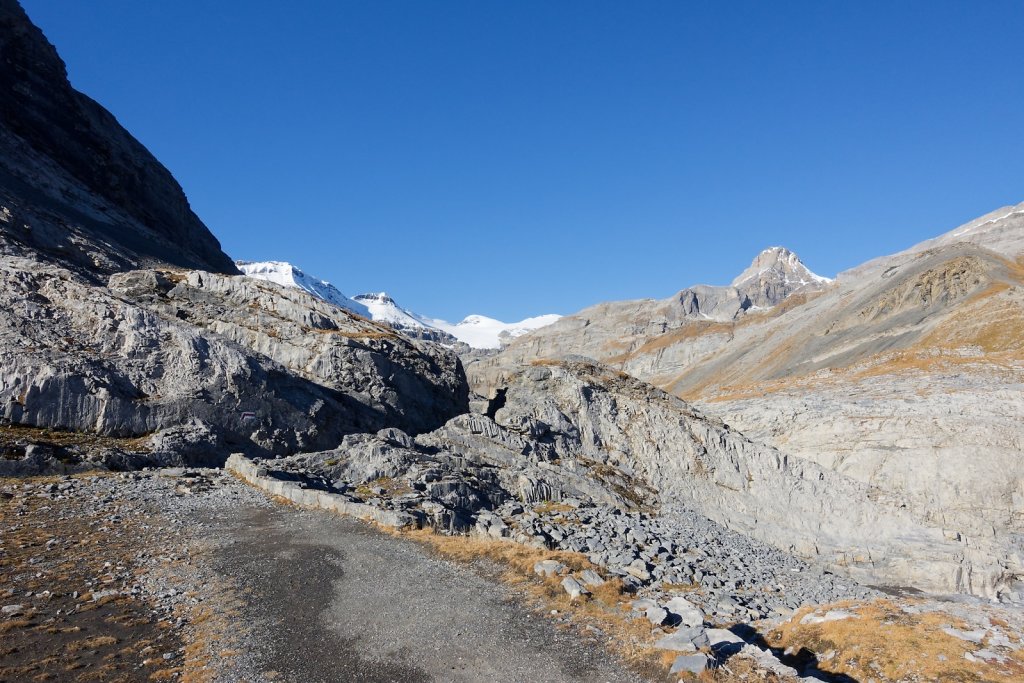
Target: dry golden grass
{"points": [[887, 644], [680, 587], [920, 359], [739, 392], [992, 323], [392, 487], [217, 632], [14, 624], [546, 362], [92, 643], [12, 434], [604, 609], [691, 330], [551, 507]]}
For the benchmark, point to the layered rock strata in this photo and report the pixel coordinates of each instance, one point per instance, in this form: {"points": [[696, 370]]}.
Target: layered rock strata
{"points": [[210, 363]]}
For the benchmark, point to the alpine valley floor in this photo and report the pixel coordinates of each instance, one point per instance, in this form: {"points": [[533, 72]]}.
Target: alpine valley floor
{"points": [[191, 574]]}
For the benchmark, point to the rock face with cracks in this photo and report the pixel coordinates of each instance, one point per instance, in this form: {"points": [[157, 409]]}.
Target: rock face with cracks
{"points": [[578, 431], [262, 369], [598, 416]]}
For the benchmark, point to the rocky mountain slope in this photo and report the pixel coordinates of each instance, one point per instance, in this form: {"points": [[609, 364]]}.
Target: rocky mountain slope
{"points": [[210, 363], [904, 375], [579, 431], [621, 333], [121, 317], [859, 399], [75, 187]]}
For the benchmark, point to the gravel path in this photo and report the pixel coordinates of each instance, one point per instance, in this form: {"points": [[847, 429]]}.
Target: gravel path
{"points": [[336, 600]]}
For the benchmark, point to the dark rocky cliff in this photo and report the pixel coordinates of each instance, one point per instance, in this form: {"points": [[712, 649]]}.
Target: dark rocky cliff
{"points": [[74, 183]]}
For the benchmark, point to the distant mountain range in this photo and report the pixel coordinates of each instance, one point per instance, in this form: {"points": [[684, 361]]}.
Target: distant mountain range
{"points": [[774, 274], [476, 331]]}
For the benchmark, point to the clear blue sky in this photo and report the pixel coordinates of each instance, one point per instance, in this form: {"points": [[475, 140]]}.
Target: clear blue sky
{"points": [[518, 158]]}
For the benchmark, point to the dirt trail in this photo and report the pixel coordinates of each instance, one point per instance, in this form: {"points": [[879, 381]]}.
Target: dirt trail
{"points": [[332, 599]]}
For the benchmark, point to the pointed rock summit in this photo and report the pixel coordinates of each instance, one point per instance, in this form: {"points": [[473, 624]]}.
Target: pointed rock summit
{"points": [[775, 274]]}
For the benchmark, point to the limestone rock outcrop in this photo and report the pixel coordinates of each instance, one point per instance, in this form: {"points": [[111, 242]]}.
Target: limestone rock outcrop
{"points": [[581, 432], [598, 416], [223, 362], [407, 384]]}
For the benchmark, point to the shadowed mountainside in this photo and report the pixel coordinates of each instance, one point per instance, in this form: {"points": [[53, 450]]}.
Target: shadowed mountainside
{"points": [[75, 185]]}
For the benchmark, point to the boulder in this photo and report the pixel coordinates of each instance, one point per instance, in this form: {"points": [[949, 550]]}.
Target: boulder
{"points": [[684, 640], [574, 588], [657, 615], [693, 664], [591, 578], [688, 614], [548, 568]]}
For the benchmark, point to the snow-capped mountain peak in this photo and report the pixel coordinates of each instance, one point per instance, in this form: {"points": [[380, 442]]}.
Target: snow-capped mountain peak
{"points": [[782, 263], [378, 297], [286, 274], [477, 331], [384, 309], [775, 274]]}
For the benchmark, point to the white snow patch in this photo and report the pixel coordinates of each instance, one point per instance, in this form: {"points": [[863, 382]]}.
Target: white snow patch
{"points": [[288, 275], [478, 331], [973, 228], [481, 332]]}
